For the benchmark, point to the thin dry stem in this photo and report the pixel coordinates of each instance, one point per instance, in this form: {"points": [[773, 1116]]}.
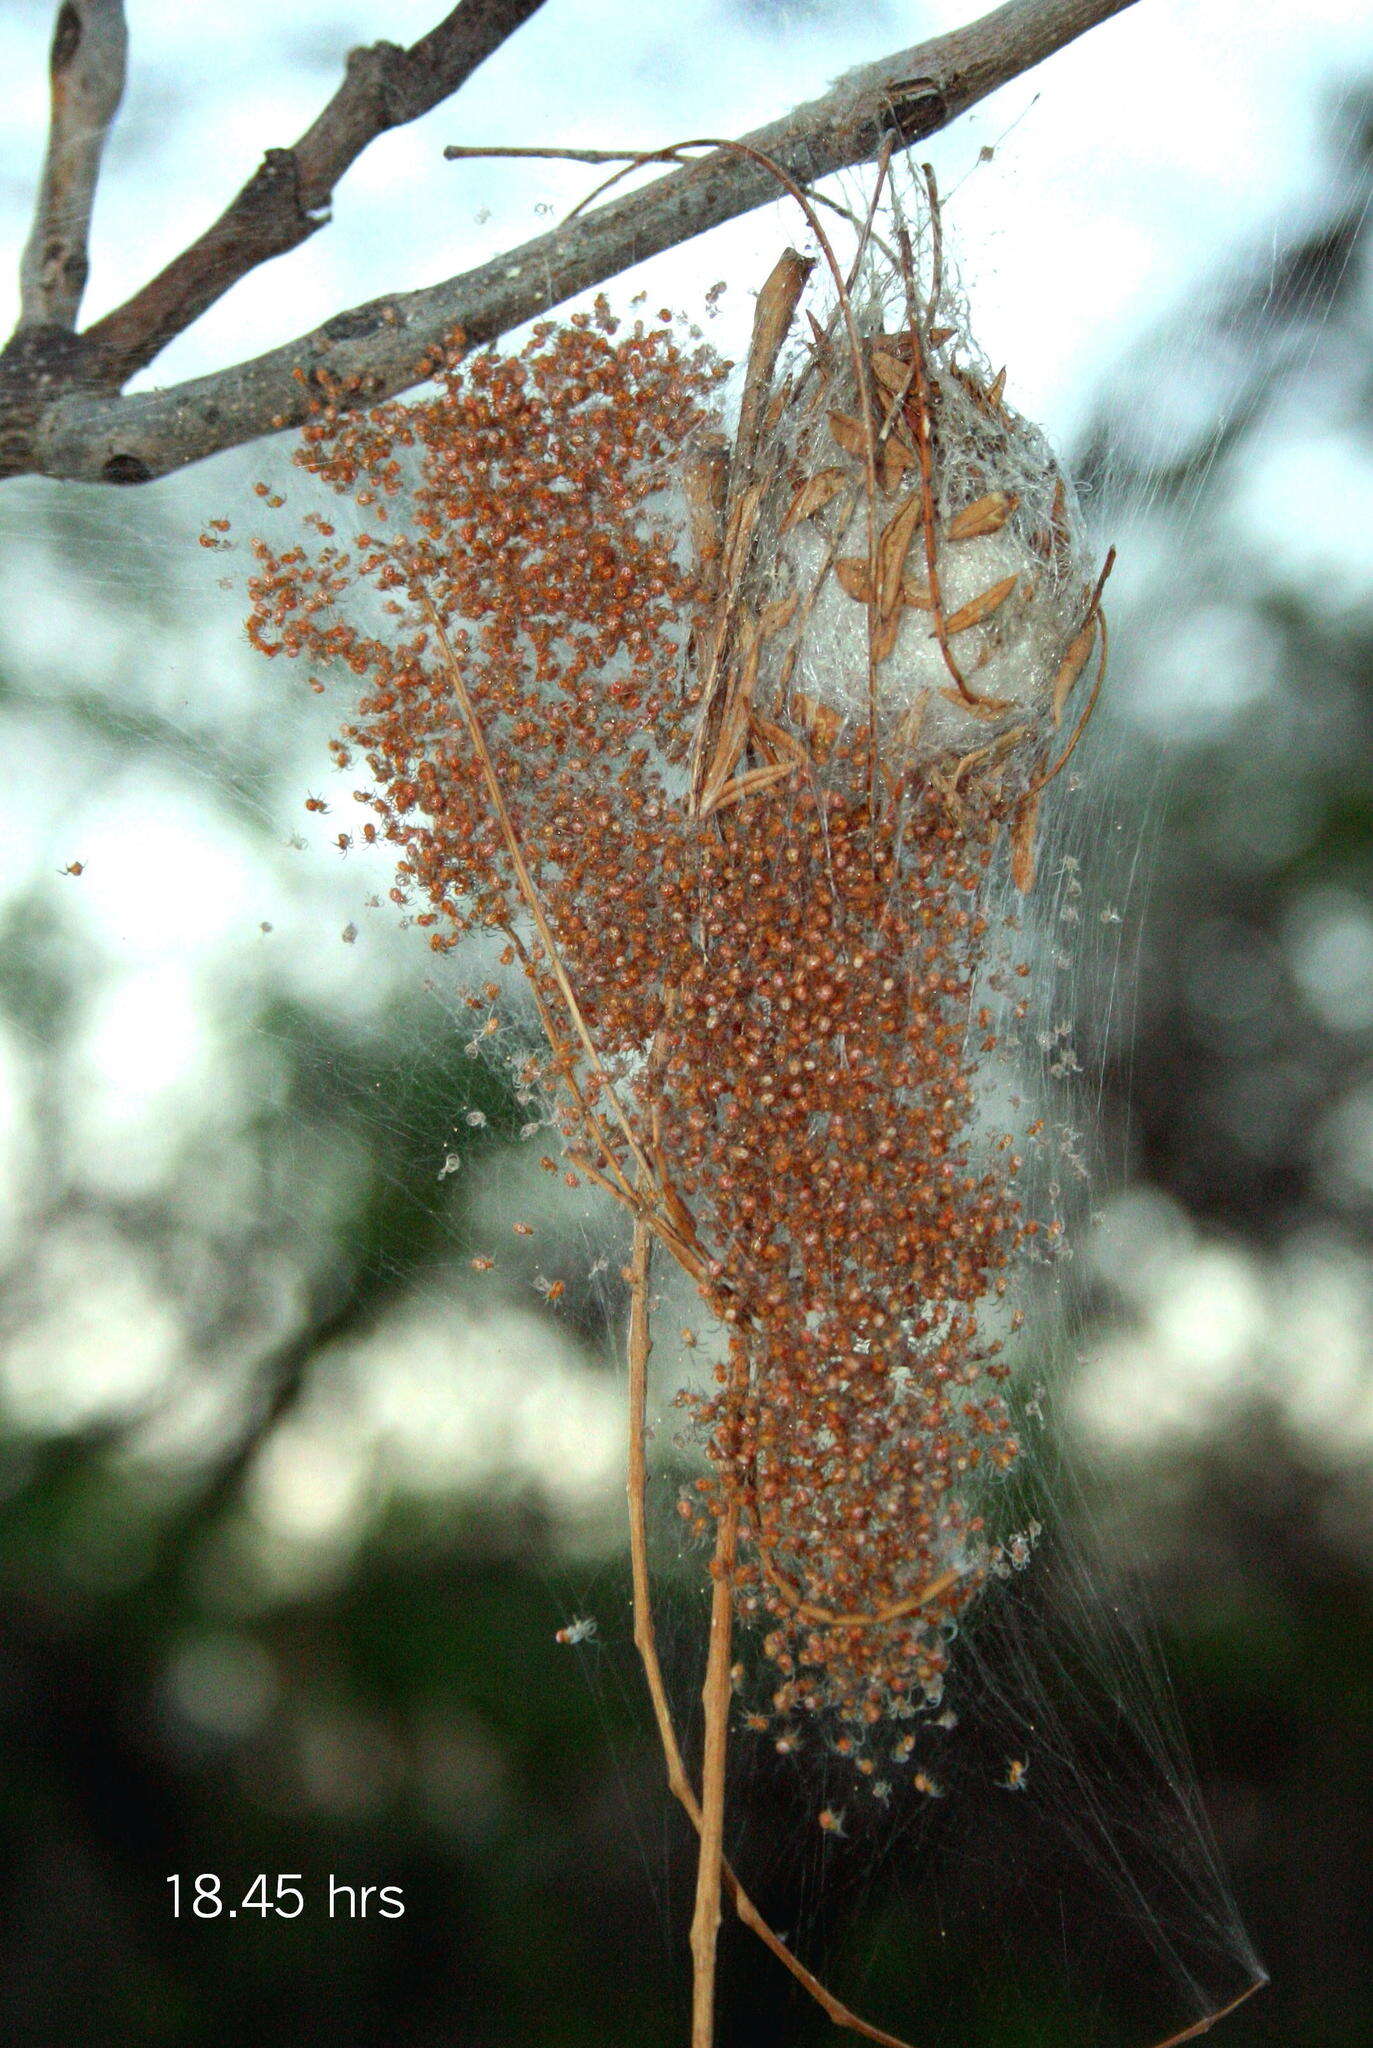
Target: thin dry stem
{"points": [[1204, 2026], [715, 1698], [645, 1641]]}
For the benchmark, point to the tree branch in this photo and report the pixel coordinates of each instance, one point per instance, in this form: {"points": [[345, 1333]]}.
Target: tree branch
{"points": [[86, 69], [287, 198], [377, 349]]}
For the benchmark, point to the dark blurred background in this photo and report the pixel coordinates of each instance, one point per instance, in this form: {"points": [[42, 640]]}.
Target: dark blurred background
{"points": [[292, 1501]]}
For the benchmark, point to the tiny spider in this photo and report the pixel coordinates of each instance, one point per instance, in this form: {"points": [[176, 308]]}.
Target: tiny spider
{"points": [[580, 1631]]}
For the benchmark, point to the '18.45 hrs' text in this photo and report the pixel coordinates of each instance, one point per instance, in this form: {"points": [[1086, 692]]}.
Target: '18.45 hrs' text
{"points": [[206, 1900]]}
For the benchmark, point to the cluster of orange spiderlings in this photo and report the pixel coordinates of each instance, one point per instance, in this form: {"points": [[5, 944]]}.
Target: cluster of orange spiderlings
{"points": [[780, 995], [817, 1102], [523, 492]]}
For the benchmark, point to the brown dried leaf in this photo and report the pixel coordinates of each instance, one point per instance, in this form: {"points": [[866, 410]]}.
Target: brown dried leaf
{"points": [[850, 433], [984, 515], [980, 607], [774, 742], [886, 634], [939, 335], [1023, 842], [998, 385], [985, 708], [892, 550], [776, 405], [749, 784], [704, 482], [773, 617], [852, 572], [908, 731], [893, 462], [917, 595], [742, 521], [1072, 665], [891, 373], [729, 743], [815, 492], [772, 318], [961, 767]]}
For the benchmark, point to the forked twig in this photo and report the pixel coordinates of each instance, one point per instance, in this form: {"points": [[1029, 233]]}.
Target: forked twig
{"points": [[645, 1641]]}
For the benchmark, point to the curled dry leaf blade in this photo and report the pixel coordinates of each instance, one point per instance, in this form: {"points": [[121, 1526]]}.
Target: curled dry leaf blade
{"points": [[980, 607], [893, 549], [733, 726], [742, 521], [885, 634], [853, 577], [1073, 663], [908, 732], [751, 783], [1022, 837], [896, 458], [704, 484], [984, 515], [891, 373], [777, 405], [814, 493], [774, 742], [849, 433], [985, 708], [777, 615]]}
